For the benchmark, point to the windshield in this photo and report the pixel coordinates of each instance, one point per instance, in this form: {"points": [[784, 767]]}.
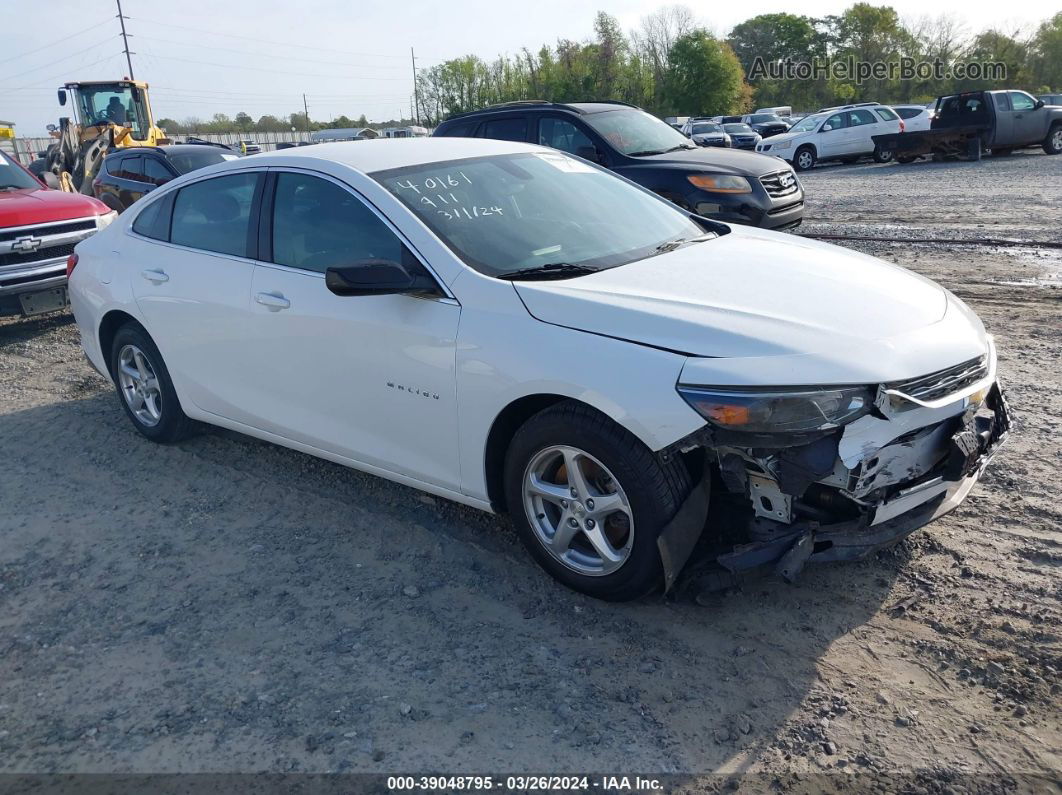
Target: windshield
{"points": [[114, 103], [761, 118], [510, 213], [737, 128], [807, 124], [208, 156], [707, 128], [12, 175], [635, 132]]}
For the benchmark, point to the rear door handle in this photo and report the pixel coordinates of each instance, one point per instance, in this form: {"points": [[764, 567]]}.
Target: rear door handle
{"points": [[156, 276], [272, 300]]}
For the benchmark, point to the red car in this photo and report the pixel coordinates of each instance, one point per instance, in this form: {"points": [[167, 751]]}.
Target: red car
{"points": [[39, 228]]}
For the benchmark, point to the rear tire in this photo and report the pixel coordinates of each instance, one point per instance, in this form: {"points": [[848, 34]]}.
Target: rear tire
{"points": [[144, 387], [906, 158], [1053, 142], [804, 159], [589, 501], [1001, 152], [882, 155]]}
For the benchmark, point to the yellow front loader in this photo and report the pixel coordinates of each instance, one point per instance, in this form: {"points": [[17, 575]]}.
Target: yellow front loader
{"points": [[106, 115]]}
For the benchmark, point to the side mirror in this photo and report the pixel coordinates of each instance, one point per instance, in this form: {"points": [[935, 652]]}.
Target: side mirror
{"points": [[827, 127], [51, 128], [376, 277], [1039, 104], [589, 153], [62, 96]]}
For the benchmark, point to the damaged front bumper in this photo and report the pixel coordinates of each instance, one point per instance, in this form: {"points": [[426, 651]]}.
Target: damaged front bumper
{"points": [[865, 487]]}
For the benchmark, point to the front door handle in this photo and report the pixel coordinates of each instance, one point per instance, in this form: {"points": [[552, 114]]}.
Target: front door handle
{"points": [[155, 276], [274, 301]]}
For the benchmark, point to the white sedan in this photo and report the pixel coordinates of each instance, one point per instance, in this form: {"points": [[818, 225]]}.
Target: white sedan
{"points": [[519, 330]]}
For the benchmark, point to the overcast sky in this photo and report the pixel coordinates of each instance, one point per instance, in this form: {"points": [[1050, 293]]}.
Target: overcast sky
{"points": [[348, 57]]}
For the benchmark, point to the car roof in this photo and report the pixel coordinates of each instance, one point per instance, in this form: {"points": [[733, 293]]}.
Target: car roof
{"points": [[581, 108], [382, 154], [165, 151]]}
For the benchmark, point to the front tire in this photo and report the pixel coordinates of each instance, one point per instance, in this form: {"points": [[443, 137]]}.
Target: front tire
{"points": [[1053, 143], [589, 501], [144, 387], [804, 159]]}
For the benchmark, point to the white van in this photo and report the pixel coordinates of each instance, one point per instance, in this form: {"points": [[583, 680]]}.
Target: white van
{"points": [[845, 135], [785, 111]]}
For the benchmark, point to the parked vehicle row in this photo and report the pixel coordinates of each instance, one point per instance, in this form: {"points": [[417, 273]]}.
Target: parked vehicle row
{"points": [[39, 228], [464, 316], [731, 186], [969, 123], [845, 133]]}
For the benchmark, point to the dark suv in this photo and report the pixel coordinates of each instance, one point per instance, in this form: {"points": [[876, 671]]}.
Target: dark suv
{"points": [[736, 187], [127, 174]]}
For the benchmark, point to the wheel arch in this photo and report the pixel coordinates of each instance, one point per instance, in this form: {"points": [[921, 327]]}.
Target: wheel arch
{"points": [[109, 325], [501, 433]]}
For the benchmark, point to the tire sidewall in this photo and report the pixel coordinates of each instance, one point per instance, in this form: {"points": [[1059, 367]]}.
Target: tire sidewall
{"points": [[796, 158], [643, 569], [1049, 146], [882, 155], [173, 418]]}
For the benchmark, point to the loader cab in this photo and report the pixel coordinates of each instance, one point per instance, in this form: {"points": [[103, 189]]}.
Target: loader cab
{"points": [[123, 103]]}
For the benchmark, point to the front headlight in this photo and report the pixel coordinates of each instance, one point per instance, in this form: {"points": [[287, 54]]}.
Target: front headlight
{"points": [[103, 221], [720, 183], [779, 410], [783, 145]]}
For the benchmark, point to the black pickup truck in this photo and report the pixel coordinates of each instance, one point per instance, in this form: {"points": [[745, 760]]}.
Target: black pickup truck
{"points": [[966, 124]]}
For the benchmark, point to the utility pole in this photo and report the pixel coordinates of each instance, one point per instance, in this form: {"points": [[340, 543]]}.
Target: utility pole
{"points": [[125, 40], [305, 114], [416, 93]]}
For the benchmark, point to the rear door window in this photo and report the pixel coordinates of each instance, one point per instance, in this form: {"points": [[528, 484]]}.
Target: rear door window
{"points": [[1002, 103], [464, 129], [857, 118], [509, 128], [215, 214]]}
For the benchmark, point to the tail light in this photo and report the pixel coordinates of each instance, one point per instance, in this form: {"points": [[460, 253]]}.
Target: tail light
{"points": [[902, 126], [71, 263]]}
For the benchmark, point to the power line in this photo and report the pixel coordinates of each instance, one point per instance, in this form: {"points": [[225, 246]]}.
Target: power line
{"points": [[286, 56], [271, 71], [267, 41], [51, 44], [95, 46]]}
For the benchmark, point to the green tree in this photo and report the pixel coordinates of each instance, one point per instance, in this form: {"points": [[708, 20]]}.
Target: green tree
{"points": [[704, 77], [1046, 54], [244, 123], [775, 38]]}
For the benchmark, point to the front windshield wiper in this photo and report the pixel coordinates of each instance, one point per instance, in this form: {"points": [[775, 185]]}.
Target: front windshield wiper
{"points": [[671, 245], [661, 151], [551, 270], [12, 187]]}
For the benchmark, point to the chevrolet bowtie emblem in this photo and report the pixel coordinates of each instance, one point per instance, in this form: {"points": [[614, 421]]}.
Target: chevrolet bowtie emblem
{"points": [[26, 245]]}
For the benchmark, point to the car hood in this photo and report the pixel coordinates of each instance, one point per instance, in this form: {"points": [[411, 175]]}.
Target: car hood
{"points": [[41, 206], [752, 293], [786, 136], [720, 161]]}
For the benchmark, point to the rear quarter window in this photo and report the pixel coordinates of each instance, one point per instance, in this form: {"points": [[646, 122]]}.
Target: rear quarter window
{"points": [[459, 130], [887, 114], [154, 220]]}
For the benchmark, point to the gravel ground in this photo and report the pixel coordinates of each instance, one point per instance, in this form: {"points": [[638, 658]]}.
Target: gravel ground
{"points": [[226, 605]]}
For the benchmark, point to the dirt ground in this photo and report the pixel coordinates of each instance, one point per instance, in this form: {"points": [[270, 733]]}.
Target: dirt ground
{"points": [[226, 605]]}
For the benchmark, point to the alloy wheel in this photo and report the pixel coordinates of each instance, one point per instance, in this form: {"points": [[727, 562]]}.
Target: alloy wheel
{"points": [[804, 160], [1056, 139], [139, 386], [578, 510]]}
